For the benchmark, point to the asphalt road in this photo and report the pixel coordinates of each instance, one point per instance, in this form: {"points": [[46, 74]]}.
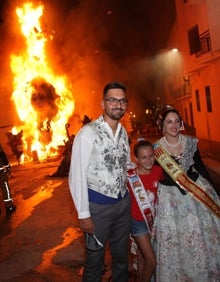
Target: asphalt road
{"points": [[41, 241]]}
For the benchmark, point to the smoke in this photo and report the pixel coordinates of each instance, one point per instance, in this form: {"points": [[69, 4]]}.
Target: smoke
{"points": [[95, 42], [100, 41]]}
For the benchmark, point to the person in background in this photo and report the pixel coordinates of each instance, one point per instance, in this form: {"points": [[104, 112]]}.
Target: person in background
{"points": [[188, 215], [143, 211], [5, 169], [98, 185]]}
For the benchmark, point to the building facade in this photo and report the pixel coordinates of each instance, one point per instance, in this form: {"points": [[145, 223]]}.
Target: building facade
{"points": [[191, 75]]}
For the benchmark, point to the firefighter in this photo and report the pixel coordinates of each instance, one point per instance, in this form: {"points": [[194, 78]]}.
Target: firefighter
{"points": [[4, 174]]}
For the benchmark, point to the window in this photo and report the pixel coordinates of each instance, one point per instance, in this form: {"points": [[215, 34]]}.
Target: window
{"points": [[205, 43], [194, 41], [186, 115], [191, 114], [208, 99], [198, 101]]}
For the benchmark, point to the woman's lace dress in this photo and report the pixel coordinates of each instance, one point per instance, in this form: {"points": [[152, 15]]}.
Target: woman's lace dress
{"points": [[187, 233]]}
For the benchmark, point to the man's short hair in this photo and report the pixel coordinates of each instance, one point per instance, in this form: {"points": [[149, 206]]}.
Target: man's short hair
{"points": [[113, 85]]}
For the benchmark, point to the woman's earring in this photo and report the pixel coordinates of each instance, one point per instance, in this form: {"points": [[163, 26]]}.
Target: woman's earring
{"points": [[182, 126], [164, 130]]}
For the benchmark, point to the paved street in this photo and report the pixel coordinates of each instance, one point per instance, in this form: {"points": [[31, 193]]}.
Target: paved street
{"points": [[41, 240], [210, 153]]}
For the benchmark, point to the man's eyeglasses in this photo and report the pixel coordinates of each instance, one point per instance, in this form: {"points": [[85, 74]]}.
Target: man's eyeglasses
{"points": [[114, 101]]}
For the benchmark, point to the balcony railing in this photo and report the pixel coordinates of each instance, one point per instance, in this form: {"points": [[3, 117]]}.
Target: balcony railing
{"points": [[205, 43]]}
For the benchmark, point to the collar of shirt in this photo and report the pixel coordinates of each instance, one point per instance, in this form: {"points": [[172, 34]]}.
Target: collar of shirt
{"points": [[108, 128]]}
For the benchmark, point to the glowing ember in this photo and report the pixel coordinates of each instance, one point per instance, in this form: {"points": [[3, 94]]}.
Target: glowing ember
{"points": [[42, 100]]}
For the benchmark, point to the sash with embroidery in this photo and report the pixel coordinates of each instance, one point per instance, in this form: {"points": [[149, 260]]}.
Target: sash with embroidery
{"points": [[141, 197], [180, 177]]}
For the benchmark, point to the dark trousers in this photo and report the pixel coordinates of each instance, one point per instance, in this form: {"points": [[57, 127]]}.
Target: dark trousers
{"points": [[5, 187], [112, 223]]}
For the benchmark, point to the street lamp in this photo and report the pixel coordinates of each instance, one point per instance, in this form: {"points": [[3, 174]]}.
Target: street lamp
{"points": [[174, 50]]}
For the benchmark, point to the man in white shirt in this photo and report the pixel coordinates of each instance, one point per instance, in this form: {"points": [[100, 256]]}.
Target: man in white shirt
{"points": [[97, 181]]}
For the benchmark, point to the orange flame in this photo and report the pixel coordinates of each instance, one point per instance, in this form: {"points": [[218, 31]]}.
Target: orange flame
{"points": [[42, 100]]}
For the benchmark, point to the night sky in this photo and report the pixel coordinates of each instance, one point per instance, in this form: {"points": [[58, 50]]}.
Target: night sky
{"points": [[96, 41], [123, 27]]}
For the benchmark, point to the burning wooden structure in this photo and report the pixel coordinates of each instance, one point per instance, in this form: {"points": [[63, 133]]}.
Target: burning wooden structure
{"points": [[42, 99]]}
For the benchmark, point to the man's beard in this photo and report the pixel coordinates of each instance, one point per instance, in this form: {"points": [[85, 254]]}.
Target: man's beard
{"points": [[116, 115]]}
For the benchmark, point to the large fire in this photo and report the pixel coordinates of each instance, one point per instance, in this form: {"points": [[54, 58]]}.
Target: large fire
{"points": [[42, 100]]}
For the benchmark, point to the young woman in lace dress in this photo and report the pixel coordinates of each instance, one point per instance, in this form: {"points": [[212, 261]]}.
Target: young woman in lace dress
{"points": [[188, 232]]}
